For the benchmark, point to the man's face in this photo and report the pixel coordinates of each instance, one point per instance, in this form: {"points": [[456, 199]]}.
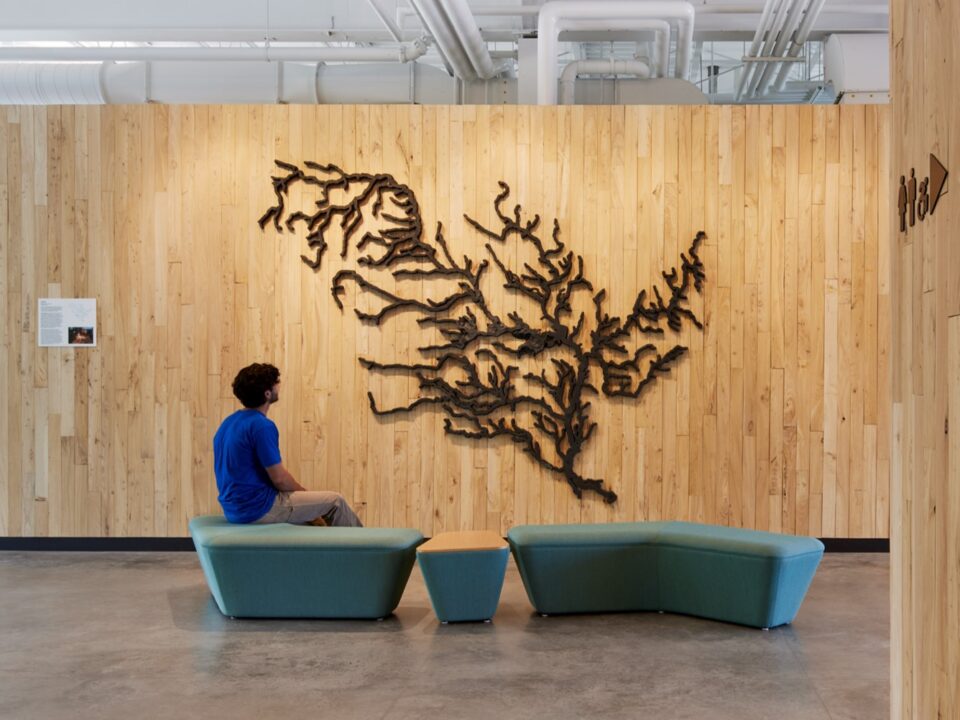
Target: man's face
{"points": [[273, 394]]}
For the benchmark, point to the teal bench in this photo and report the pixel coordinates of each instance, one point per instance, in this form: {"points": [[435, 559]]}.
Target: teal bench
{"points": [[303, 571], [730, 574], [464, 572]]}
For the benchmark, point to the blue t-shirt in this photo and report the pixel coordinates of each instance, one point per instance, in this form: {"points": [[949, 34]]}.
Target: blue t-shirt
{"points": [[246, 443]]}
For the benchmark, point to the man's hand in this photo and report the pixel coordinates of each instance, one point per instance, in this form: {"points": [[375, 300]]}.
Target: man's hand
{"points": [[283, 480]]}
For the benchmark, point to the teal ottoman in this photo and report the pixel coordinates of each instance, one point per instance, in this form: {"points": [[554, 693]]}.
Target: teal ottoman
{"points": [[463, 572], [608, 567], [740, 576], [304, 571]]}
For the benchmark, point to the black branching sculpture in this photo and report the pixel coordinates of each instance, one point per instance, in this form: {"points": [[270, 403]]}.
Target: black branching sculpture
{"points": [[473, 371]]}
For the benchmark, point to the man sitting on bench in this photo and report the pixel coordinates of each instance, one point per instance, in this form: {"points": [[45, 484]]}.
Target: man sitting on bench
{"points": [[253, 484]]}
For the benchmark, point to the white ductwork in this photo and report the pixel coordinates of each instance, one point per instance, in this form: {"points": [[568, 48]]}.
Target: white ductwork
{"points": [[661, 38], [469, 34], [612, 66], [857, 63], [402, 53], [620, 15], [458, 38], [245, 82], [51, 84]]}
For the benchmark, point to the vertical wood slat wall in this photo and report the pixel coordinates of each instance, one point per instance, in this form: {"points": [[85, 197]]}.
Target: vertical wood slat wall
{"points": [[925, 495], [778, 418]]}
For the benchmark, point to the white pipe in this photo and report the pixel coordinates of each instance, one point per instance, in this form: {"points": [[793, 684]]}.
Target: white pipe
{"points": [[620, 15], [776, 27], [755, 46], [193, 34], [404, 14], [611, 66], [402, 53], [789, 26], [465, 26], [444, 35], [803, 32]]}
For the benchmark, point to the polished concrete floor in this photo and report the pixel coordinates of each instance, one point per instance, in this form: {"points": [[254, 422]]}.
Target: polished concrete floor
{"points": [[136, 635]]}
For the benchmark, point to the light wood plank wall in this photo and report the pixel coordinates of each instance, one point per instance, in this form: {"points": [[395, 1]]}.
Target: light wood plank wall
{"points": [[925, 499], [779, 417]]}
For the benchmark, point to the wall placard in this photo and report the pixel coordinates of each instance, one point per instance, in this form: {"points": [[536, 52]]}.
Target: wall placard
{"points": [[63, 322]]}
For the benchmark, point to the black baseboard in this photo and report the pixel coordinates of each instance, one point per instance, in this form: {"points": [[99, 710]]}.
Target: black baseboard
{"points": [[185, 544], [98, 544], [856, 545]]}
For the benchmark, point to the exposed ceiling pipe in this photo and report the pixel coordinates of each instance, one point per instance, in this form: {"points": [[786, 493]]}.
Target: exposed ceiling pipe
{"points": [[458, 38], [610, 66], [404, 14], [444, 37], [755, 47], [402, 53], [774, 31], [803, 32], [661, 38], [619, 15], [465, 26], [786, 32], [458, 64]]}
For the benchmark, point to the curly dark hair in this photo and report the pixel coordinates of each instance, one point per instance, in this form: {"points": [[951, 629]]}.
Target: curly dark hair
{"points": [[253, 381]]}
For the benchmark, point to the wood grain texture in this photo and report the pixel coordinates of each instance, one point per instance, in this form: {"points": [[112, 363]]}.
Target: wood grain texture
{"points": [[776, 419], [463, 540], [925, 362]]}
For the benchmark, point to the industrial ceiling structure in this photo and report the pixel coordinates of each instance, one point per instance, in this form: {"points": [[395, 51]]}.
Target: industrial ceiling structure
{"points": [[444, 51]]}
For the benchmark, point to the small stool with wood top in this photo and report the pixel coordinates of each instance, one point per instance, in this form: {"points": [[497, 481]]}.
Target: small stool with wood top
{"points": [[464, 573]]}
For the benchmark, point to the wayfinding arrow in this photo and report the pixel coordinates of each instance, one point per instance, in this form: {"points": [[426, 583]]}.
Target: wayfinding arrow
{"points": [[938, 176]]}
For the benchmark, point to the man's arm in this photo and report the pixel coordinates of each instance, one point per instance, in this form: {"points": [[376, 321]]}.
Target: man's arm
{"points": [[283, 480]]}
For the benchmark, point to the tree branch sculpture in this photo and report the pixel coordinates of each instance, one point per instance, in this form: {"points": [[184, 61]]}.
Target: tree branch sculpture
{"points": [[473, 373]]}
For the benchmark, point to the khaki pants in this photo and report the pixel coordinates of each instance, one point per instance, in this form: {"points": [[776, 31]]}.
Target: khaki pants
{"points": [[305, 506]]}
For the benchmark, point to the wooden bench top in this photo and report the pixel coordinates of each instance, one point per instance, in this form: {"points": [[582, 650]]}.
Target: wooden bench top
{"points": [[464, 540]]}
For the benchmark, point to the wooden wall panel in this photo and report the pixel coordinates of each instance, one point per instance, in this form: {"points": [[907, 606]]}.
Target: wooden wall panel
{"points": [[925, 461], [778, 418]]}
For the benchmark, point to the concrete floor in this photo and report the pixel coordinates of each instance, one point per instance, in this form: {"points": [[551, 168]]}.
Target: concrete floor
{"points": [[137, 635]]}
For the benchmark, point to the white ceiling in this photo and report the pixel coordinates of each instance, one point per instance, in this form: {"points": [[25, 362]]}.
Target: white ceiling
{"points": [[721, 38]]}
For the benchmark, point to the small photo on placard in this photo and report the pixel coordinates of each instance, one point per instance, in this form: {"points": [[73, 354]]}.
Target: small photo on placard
{"points": [[80, 336], [67, 322]]}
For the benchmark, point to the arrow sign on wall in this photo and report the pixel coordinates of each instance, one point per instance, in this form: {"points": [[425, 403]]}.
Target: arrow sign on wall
{"points": [[938, 176]]}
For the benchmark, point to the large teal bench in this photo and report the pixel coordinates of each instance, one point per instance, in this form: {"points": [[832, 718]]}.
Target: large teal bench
{"points": [[739, 576], [303, 571]]}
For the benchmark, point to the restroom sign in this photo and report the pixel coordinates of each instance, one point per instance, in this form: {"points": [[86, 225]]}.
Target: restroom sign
{"points": [[917, 200]]}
